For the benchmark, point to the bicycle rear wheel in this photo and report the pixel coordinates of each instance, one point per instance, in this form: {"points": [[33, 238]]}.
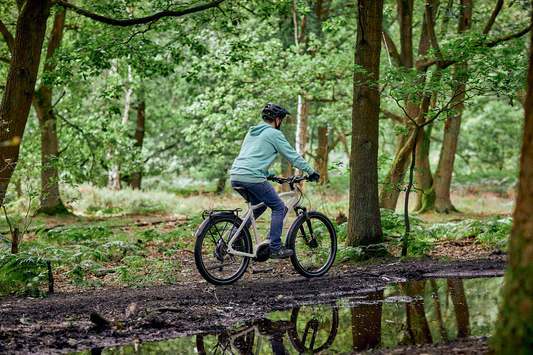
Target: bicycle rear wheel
{"points": [[314, 243], [211, 255]]}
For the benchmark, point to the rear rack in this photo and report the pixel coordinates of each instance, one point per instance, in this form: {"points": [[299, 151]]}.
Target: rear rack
{"points": [[209, 213]]}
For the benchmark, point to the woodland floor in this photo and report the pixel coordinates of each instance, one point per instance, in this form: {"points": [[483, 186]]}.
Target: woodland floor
{"points": [[62, 323]]}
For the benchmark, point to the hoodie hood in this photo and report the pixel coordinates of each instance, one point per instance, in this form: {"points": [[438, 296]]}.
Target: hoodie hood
{"points": [[257, 130]]}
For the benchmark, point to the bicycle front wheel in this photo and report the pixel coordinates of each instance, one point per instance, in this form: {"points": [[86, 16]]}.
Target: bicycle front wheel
{"points": [[314, 243], [211, 255]]}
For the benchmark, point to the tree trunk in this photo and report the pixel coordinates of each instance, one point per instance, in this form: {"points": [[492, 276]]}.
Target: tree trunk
{"points": [[321, 161], [286, 168], [301, 125], [15, 240], [366, 322], [462, 316], [514, 326], [405, 19], [20, 84], [42, 102], [388, 197], [139, 136], [424, 177], [438, 309], [113, 175], [389, 194], [364, 221], [417, 314], [443, 175]]}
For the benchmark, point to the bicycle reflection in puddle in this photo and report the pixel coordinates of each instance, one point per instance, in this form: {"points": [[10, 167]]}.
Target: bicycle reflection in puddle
{"points": [[417, 312], [310, 330]]}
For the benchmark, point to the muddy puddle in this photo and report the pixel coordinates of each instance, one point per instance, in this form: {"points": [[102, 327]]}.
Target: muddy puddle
{"points": [[427, 311]]}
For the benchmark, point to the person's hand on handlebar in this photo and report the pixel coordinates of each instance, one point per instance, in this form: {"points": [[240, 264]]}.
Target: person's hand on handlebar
{"points": [[314, 176]]}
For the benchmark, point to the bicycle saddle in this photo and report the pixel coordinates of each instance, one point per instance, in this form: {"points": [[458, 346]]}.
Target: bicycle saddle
{"points": [[243, 191]]}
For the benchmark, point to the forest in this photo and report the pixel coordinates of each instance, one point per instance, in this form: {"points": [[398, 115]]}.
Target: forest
{"points": [[120, 121]]}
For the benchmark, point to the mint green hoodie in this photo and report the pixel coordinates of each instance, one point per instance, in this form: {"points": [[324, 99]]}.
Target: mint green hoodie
{"points": [[260, 147]]}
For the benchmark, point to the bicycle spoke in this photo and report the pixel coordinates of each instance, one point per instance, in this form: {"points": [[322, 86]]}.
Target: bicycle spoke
{"points": [[314, 243], [211, 251]]}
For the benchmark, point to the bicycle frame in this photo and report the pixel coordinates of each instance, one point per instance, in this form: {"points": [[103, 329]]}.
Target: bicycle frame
{"points": [[290, 204]]}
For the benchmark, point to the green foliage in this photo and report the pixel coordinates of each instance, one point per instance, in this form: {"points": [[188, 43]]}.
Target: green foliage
{"points": [[341, 231], [394, 223], [490, 138], [360, 253], [85, 254], [494, 232], [139, 272], [76, 235], [25, 272]]}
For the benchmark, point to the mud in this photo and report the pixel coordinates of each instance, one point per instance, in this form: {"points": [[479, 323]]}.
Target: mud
{"points": [[62, 322]]}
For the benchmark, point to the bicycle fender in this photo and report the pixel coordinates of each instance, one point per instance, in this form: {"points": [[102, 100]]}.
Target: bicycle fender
{"points": [[214, 216]]}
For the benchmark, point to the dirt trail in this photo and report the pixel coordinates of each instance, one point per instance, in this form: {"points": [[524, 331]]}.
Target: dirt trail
{"points": [[61, 323]]}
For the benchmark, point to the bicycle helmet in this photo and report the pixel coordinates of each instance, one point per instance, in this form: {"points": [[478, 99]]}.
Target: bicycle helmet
{"points": [[272, 111]]}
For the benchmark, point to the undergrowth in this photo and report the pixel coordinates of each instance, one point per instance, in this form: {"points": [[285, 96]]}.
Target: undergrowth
{"points": [[137, 258], [493, 233]]}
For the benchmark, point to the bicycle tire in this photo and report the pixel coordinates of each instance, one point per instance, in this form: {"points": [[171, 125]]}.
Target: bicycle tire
{"points": [[317, 333], [220, 344], [313, 254], [210, 250]]}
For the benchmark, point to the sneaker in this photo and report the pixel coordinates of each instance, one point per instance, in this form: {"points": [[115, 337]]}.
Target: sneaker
{"points": [[281, 253]]}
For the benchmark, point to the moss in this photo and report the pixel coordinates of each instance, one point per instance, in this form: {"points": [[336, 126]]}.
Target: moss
{"points": [[513, 332], [427, 202], [58, 209]]}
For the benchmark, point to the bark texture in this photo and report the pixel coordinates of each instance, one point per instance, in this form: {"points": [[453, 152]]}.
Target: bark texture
{"points": [[42, 102], [513, 332], [388, 197], [423, 175], [20, 84], [364, 221], [443, 175]]}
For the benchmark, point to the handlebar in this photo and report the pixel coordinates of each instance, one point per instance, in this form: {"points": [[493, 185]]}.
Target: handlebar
{"points": [[290, 180]]}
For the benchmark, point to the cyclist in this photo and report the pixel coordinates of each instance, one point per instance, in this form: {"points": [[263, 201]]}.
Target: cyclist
{"points": [[250, 170]]}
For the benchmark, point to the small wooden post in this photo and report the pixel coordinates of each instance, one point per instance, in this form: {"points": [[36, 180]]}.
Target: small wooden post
{"points": [[15, 241], [50, 277]]}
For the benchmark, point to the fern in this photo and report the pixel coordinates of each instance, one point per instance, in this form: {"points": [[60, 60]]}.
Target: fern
{"points": [[25, 271]]}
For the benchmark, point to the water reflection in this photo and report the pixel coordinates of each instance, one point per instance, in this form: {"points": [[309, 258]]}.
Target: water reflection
{"points": [[310, 330], [401, 314]]}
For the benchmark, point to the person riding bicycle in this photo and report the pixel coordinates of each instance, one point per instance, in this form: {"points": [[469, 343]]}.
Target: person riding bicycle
{"points": [[250, 170]]}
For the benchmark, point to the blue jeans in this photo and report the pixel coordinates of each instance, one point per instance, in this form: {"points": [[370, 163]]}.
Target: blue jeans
{"points": [[264, 192]]}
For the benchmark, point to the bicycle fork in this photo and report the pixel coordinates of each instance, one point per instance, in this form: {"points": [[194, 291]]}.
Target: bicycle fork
{"points": [[311, 240]]}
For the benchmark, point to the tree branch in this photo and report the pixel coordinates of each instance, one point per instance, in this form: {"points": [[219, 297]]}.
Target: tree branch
{"points": [[391, 48], [446, 63], [85, 136], [495, 13], [7, 36], [392, 115], [5, 60], [137, 21], [160, 151], [508, 37]]}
